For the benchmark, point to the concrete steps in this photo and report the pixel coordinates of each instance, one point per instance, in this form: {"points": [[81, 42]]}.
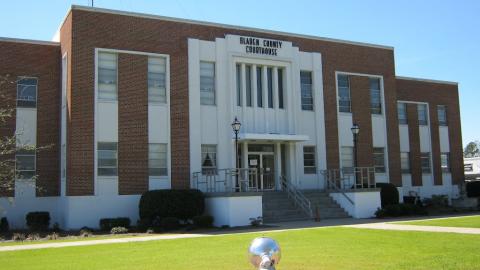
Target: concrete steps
{"points": [[277, 207]]}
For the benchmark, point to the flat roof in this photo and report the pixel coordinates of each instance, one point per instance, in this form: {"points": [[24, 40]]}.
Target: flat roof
{"points": [[426, 80], [29, 41], [236, 27]]}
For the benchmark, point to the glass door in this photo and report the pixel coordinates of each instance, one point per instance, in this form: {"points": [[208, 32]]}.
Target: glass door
{"points": [[254, 163], [268, 175]]}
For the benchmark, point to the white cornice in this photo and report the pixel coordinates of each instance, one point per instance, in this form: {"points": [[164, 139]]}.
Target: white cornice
{"points": [[426, 80], [30, 41]]}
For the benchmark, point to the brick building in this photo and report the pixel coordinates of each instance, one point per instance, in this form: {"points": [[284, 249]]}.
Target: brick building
{"points": [[132, 102]]}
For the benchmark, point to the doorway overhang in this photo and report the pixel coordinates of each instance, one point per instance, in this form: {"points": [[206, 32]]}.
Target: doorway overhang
{"points": [[272, 137]]}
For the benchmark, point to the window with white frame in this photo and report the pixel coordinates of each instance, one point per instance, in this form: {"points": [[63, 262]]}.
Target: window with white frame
{"points": [[375, 96], [344, 101], [107, 159], [259, 87], [346, 156], [379, 159], [280, 87], [306, 90], [309, 163], [425, 162], [27, 92], [209, 159], [405, 162], [107, 76], [442, 115], [445, 162], [422, 114], [157, 159], [238, 72], [25, 163], [157, 85], [402, 113], [248, 84], [207, 83]]}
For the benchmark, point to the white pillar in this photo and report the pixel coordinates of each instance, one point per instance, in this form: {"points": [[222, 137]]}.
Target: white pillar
{"points": [[254, 96], [278, 165]]}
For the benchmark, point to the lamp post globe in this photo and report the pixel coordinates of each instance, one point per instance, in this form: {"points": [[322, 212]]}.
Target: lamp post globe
{"points": [[236, 125]]}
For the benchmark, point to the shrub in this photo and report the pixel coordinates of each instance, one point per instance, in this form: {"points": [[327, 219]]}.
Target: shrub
{"points": [[85, 233], [38, 221], [255, 222], [388, 194], [473, 189], [398, 210], [56, 227], [170, 223], [53, 236], [18, 237], [4, 227], [106, 224], [118, 230], [33, 237], [437, 201], [203, 221], [182, 204]]}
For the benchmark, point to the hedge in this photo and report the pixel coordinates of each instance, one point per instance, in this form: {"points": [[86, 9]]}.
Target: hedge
{"points": [[388, 194], [181, 204], [473, 189], [106, 224], [38, 221]]}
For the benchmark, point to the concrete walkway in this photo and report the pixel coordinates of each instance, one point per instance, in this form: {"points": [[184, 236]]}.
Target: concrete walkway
{"points": [[400, 227]]}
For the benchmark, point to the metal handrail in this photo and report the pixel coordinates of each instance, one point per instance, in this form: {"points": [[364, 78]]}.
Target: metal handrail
{"points": [[335, 187], [224, 180], [298, 197]]}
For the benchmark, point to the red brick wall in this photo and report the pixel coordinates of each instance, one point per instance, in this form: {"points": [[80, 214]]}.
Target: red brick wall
{"points": [[43, 62], [414, 139], [132, 124], [439, 94]]}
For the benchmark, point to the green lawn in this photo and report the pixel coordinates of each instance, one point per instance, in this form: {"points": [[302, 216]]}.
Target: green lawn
{"points": [[466, 222], [310, 249]]}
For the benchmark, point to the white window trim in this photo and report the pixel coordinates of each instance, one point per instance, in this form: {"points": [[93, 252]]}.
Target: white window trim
{"points": [[16, 92]]}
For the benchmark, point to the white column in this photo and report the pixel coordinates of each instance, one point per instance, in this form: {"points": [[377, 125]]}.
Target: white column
{"points": [[292, 163], [254, 96], [278, 165], [194, 103], [243, 87]]}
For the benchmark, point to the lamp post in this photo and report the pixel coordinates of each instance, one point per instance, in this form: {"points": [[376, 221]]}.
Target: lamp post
{"points": [[236, 129], [355, 130]]}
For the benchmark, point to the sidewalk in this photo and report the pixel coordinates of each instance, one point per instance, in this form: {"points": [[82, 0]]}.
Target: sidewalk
{"points": [[400, 227]]}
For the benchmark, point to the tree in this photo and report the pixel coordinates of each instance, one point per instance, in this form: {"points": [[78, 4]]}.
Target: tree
{"points": [[472, 150]]}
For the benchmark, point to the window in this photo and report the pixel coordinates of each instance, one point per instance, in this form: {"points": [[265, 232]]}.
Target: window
{"points": [[259, 87], [468, 167], [209, 159], [346, 156], [157, 90], [239, 84], [306, 90], [157, 159], [207, 83], [25, 163], [445, 162], [425, 161], [405, 162], [309, 166], [375, 96], [422, 114], [248, 84], [442, 115], [379, 159], [27, 92], [107, 159], [107, 76], [344, 103], [402, 113], [280, 88], [270, 87]]}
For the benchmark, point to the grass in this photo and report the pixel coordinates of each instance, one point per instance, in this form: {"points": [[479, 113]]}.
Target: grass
{"points": [[465, 222], [312, 249]]}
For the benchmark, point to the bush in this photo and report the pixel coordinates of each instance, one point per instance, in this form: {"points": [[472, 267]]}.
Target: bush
{"points": [[388, 194], [4, 227], [85, 232], [118, 230], [18, 237], [53, 236], [398, 210], [170, 223], [33, 237], [473, 189], [106, 224], [203, 221], [182, 204], [38, 221], [437, 201]]}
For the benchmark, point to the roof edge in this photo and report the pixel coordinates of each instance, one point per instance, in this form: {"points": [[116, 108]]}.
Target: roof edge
{"points": [[426, 80], [266, 31], [29, 41]]}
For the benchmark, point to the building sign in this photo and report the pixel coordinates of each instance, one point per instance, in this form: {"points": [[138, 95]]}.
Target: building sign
{"points": [[261, 46]]}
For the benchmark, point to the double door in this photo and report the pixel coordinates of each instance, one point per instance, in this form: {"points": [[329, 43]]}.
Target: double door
{"points": [[265, 165]]}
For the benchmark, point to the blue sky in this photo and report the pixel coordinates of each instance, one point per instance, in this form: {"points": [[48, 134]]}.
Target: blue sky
{"points": [[433, 39]]}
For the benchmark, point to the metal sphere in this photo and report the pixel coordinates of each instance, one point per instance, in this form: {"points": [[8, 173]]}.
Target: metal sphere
{"points": [[261, 247]]}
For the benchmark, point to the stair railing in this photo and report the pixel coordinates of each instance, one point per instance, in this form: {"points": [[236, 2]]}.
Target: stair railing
{"points": [[299, 199], [332, 180]]}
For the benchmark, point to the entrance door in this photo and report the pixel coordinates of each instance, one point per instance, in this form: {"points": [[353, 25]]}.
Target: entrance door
{"points": [[264, 163]]}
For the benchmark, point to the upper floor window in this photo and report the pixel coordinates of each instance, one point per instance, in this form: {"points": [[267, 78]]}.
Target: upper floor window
{"points": [[27, 92], [442, 115], [157, 90], [346, 157], [207, 83], [422, 114], [107, 76], [107, 159], [157, 159], [402, 113], [379, 159], [259, 87], [270, 86], [25, 163], [209, 159], [425, 162], [280, 87], [344, 102], [309, 166], [405, 162], [445, 162], [238, 71], [248, 85], [375, 96], [306, 90]]}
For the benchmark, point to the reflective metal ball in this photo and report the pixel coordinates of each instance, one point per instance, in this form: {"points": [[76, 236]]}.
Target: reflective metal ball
{"points": [[264, 249]]}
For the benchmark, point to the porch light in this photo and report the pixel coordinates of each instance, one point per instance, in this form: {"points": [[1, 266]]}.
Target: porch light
{"points": [[355, 129], [236, 125]]}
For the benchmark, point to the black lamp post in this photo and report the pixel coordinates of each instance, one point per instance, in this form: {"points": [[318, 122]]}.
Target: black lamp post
{"points": [[355, 130], [236, 129]]}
